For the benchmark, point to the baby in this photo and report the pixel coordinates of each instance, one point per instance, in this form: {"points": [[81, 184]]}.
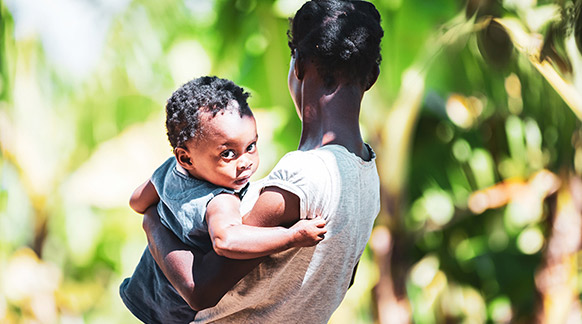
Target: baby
{"points": [[214, 136]]}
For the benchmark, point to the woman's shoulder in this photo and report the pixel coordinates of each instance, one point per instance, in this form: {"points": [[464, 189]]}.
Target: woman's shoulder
{"points": [[300, 159], [302, 167]]}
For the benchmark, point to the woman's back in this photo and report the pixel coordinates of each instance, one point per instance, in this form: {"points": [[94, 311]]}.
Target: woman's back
{"points": [[306, 285]]}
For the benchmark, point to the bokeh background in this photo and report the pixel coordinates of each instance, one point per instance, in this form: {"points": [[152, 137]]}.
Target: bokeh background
{"points": [[475, 120]]}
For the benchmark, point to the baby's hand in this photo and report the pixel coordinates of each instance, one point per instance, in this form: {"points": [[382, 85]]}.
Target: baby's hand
{"points": [[308, 232]]}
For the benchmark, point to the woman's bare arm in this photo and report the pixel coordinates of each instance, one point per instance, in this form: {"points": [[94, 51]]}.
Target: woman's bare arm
{"points": [[202, 279]]}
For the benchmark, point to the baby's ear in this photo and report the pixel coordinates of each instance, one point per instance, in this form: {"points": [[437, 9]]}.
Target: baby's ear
{"points": [[183, 158]]}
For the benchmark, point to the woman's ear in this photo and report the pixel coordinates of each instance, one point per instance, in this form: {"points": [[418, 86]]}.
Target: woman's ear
{"points": [[183, 158], [373, 77], [299, 66]]}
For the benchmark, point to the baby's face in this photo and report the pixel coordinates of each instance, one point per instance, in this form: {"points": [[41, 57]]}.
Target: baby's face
{"points": [[225, 154]]}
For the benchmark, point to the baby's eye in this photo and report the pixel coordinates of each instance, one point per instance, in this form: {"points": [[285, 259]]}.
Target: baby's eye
{"points": [[227, 154], [252, 147]]}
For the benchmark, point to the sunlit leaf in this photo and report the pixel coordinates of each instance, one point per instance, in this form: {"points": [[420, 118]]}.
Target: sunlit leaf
{"points": [[530, 45]]}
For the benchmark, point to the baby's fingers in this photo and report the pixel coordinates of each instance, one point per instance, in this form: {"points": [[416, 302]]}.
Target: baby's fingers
{"points": [[318, 221], [321, 231]]}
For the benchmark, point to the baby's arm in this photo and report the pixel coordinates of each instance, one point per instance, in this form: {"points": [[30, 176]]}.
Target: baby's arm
{"points": [[232, 239], [143, 197]]}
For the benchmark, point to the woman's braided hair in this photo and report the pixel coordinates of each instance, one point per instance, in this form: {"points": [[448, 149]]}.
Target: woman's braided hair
{"points": [[341, 36]]}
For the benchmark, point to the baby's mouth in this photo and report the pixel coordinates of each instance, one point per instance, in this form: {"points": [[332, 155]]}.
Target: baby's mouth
{"points": [[241, 181]]}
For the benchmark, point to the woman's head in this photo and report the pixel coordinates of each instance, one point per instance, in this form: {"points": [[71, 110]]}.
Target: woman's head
{"points": [[341, 37]]}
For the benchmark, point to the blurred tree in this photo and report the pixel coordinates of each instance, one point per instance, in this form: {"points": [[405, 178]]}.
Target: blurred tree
{"points": [[498, 124]]}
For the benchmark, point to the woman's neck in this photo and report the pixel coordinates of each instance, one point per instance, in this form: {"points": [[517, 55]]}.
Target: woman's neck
{"points": [[333, 118]]}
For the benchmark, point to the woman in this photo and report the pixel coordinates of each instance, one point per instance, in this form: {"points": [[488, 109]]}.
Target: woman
{"points": [[335, 49]]}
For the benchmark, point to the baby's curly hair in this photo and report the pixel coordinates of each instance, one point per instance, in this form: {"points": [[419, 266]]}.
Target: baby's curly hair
{"points": [[342, 37], [208, 94]]}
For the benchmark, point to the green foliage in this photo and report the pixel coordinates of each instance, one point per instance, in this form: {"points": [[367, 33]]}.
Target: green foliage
{"points": [[77, 139]]}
